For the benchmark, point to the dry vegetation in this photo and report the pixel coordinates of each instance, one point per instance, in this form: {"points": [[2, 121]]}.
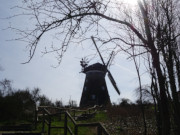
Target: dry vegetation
{"points": [[128, 120]]}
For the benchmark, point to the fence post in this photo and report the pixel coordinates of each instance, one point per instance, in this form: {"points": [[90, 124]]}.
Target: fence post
{"points": [[76, 130], [99, 129], [65, 123], [43, 122], [74, 113], [49, 125], [60, 115], [35, 118]]}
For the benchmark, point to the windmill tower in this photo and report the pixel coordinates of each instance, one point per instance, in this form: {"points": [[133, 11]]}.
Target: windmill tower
{"points": [[95, 89]]}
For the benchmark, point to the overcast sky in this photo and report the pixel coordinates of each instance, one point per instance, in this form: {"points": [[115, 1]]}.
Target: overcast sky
{"points": [[60, 83]]}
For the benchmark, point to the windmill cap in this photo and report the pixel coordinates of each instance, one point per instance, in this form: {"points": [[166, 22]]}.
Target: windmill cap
{"points": [[96, 66]]}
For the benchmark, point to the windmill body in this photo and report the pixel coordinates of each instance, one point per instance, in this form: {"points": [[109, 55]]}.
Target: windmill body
{"points": [[95, 90]]}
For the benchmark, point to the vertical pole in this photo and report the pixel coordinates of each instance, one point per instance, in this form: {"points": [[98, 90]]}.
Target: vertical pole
{"points": [[74, 113], [43, 122], [35, 118], [99, 129], [65, 123], [60, 115], [49, 125], [76, 130]]}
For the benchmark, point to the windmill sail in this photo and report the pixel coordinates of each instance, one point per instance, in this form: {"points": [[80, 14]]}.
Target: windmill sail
{"points": [[109, 74], [98, 51], [110, 59], [113, 82]]}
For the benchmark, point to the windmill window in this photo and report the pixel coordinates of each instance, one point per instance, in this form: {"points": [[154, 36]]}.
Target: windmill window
{"points": [[93, 97], [85, 88], [103, 88]]}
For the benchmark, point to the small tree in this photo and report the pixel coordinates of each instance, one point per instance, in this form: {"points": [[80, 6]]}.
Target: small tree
{"points": [[72, 103], [125, 102], [44, 101], [58, 103], [5, 87]]}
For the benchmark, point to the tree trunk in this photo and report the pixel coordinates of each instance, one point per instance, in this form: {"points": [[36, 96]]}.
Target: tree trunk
{"points": [[164, 110]]}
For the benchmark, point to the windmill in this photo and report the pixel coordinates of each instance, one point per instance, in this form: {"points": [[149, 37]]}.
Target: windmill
{"points": [[95, 89]]}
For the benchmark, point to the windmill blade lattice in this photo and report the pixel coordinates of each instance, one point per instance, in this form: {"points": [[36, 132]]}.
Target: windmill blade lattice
{"points": [[113, 82]]}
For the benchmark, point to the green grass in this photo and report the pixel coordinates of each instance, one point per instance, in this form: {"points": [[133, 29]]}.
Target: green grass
{"points": [[87, 131], [100, 116]]}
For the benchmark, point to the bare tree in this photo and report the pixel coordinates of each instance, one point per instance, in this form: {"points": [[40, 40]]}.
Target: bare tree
{"points": [[6, 87], [58, 103]]}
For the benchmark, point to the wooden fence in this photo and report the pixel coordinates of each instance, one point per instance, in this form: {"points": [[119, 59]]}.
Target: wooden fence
{"points": [[47, 120]]}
